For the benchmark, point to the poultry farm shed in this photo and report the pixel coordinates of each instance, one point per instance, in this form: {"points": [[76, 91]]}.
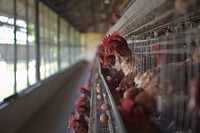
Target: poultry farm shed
{"points": [[157, 88]]}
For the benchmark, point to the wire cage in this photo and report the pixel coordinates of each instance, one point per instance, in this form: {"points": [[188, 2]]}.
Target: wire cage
{"points": [[173, 62], [168, 53], [164, 41]]}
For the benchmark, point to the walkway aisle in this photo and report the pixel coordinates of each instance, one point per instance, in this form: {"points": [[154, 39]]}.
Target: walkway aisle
{"points": [[53, 116]]}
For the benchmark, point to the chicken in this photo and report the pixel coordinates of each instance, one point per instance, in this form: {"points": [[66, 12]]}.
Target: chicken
{"points": [[113, 82], [120, 49], [83, 101], [179, 92], [176, 82], [131, 112], [149, 84], [126, 83], [147, 100], [108, 72], [142, 80], [120, 46], [108, 67], [131, 93], [160, 58], [117, 46], [100, 53], [84, 91], [109, 60], [83, 110], [78, 125], [154, 87], [135, 117], [82, 106]]}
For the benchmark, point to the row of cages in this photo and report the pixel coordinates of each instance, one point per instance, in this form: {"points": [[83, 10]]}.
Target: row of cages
{"points": [[35, 44], [95, 109], [146, 78], [172, 62], [163, 37]]}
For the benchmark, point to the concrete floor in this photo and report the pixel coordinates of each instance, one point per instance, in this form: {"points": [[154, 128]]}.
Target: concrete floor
{"points": [[53, 116]]}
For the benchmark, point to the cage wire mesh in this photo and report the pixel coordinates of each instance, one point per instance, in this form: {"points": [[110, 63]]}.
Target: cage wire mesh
{"points": [[173, 61], [169, 54], [164, 43]]}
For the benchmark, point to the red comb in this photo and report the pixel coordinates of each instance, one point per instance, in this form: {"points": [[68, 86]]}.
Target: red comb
{"points": [[155, 47], [126, 104], [80, 109], [100, 48], [72, 119], [79, 100], [99, 57], [77, 107], [159, 58], [108, 38], [80, 88]]}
